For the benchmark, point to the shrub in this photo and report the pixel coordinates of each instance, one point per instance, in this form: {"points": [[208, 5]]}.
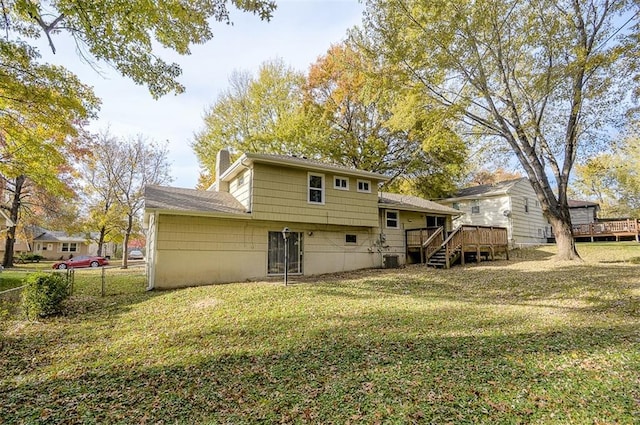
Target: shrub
{"points": [[43, 294], [28, 257]]}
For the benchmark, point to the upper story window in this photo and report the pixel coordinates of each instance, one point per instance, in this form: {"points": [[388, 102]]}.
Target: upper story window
{"points": [[392, 218], [526, 205], [475, 207], [456, 206], [341, 183], [316, 188], [241, 179], [364, 186]]}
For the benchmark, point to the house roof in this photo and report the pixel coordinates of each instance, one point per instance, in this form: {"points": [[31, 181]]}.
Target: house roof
{"points": [[582, 204], [413, 203], [44, 235], [296, 162], [180, 199], [486, 190]]}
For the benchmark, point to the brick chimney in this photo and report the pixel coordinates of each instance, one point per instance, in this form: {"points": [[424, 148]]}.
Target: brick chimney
{"points": [[223, 161]]}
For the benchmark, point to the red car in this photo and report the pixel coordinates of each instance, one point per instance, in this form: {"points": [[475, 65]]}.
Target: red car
{"points": [[81, 261]]}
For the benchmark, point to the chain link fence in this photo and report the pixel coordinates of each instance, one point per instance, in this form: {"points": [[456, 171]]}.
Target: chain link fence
{"points": [[98, 282]]}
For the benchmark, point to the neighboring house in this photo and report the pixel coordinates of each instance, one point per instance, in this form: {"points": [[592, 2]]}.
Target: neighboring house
{"points": [[233, 231], [54, 245], [512, 204], [583, 212]]}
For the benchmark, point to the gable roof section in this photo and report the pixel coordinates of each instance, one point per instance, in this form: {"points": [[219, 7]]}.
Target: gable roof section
{"points": [[486, 190], [176, 199], [413, 203], [582, 204], [297, 162], [45, 235]]}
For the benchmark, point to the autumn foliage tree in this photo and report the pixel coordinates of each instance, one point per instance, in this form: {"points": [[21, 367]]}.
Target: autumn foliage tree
{"points": [[364, 120], [127, 35], [116, 175], [41, 109], [255, 114], [543, 77]]}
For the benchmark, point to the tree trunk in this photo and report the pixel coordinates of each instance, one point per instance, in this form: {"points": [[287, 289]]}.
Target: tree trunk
{"points": [[564, 239], [125, 244], [7, 260], [101, 241]]}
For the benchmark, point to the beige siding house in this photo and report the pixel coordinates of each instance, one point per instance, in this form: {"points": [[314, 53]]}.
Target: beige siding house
{"points": [[54, 245], [512, 204], [233, 231]]}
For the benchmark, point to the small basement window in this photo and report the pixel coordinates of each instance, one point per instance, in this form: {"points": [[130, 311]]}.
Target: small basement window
{"points": [[351, 238]]}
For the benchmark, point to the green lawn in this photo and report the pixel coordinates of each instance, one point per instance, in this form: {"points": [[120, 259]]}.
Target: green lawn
{"points": [[520, 341]]}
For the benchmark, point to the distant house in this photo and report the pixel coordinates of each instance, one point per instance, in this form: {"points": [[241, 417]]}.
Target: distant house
{"points": [[53, 245], [583, 212], [338, 221], [512, 204]]}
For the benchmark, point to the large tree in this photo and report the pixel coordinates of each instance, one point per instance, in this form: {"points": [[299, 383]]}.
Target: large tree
{"points": [[256, 114], [539, 75], [41, 108], [126, 34], [613, 179], [116, 177], [365, 120]]}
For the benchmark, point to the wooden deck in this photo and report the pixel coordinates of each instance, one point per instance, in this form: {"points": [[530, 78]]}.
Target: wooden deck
{"points": [[608, 229], [435, 248]]}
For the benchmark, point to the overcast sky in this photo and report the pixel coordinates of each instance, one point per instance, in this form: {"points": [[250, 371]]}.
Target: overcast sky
{"points": [[300, 31]]}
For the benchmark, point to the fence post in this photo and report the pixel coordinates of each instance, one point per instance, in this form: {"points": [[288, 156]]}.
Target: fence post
{"points": [[70, 279], [102, 285]]}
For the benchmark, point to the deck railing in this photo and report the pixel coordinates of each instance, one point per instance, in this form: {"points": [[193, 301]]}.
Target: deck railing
{"points": [[466, 238], [427, 240], [603, 228]]}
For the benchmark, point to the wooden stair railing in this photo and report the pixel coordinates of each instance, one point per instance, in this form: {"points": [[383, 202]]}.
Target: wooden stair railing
{"points": [[433, 244], [451, 245]]}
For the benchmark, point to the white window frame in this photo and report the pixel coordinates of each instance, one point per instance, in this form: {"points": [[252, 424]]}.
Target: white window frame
{"points": [[368, 182], [69, 246], [321, 189], [397, 219], [475, 204], [342, 180]]}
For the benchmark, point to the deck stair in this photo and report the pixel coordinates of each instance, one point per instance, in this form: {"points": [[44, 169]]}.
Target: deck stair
{"points": [[438, 249]]}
